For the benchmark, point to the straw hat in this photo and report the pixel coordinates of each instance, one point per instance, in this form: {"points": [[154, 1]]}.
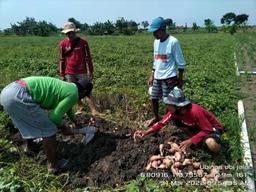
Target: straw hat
{"points": [[69, 26]]}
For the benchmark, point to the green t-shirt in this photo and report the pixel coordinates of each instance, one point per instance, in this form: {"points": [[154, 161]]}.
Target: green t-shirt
{"points": [[55, 95]]}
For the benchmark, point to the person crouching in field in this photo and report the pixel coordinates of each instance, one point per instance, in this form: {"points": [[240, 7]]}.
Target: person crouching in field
{"points": [[74, 61], [193, 119], [26, 101]]}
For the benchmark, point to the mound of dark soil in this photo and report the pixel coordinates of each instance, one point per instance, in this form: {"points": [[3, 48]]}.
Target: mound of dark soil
{"points": [[110, 159]]}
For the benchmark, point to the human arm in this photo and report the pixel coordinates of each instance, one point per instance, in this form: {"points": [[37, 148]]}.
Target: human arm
{"points": [[62, 63], [180, 62], [151, 78], [88, 60], [63, 107], [155, 128]]}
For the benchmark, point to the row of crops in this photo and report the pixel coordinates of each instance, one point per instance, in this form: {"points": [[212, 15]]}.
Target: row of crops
{"points": [[122, 65]]}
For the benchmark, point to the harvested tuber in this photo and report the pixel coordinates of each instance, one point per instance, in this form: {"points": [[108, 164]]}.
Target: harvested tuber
{"points": [[162, 166], [154, 164], [172, 151], [161, 149], [196, 165], [148, 167], [200, 173], [186, 162], [155, 158], [177, 156]]}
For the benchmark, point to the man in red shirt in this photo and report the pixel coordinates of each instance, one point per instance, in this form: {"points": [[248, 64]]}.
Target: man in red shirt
{"points": [[75, 61], [196, 121]]}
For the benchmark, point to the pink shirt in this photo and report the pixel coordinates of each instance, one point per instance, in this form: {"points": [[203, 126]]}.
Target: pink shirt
{"points": [[197, 118]]}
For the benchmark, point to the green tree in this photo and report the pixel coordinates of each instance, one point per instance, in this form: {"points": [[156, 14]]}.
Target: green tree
{"points": [[194, 26], [241, 19], [76, 22], [168, 23], [209, 25], [228, 18], [31, 27], [144, 24], [126, 27]]}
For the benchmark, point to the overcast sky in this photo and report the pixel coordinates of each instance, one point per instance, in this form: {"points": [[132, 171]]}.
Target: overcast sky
{"points": [[91, 11]]}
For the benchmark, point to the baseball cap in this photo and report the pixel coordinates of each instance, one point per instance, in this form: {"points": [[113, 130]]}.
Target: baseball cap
{"points": [[156, 24]]}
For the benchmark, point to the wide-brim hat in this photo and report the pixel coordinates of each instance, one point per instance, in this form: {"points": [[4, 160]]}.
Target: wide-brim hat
{"points": [[156, 24], [177, 98], [69, 26]]}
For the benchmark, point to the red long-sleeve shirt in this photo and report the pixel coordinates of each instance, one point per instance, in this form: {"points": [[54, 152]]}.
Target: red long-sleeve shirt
{"points": [[76, 62], [196, 118]]}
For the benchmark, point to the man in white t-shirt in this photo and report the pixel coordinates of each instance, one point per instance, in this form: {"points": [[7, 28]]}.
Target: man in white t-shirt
{"points": [[168, 59]]}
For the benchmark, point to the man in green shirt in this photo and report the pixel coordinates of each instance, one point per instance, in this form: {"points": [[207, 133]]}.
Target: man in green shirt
{"points": [[26, 101]]}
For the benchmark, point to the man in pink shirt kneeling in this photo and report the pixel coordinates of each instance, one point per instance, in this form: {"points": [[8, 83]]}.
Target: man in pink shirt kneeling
{"points": [[197, 122]]}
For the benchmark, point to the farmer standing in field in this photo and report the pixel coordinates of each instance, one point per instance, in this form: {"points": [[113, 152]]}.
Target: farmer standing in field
{"points": [[168, 58], [75, 61], [26, 100], [197, 122]]}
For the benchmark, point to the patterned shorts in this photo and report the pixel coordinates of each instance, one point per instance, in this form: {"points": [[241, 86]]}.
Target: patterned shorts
{"points": [[75, 77], [161, 88]]}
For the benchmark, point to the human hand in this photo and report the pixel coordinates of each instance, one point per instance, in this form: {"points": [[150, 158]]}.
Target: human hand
{"points": [[62, 78], [91, 76], [184, 145], [150, 81], [138, 134]]}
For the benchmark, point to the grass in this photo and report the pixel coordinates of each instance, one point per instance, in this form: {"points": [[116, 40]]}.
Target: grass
{"points": [[122, 65]]}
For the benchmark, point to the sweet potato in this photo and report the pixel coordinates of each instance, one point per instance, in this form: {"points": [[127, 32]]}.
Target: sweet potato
{"points": [[186, 162], [196, 165], [172, 158], [190, 174], [171, 150], [155, 157], [174, 146], [177, 164], [148, 167], [154, 164], [200, 173], [177, 156], [167, 162], [162, 166], [161, 149]]}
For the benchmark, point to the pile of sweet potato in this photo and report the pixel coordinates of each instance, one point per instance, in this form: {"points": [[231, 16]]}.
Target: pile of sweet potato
{"points": [[177, 161]]}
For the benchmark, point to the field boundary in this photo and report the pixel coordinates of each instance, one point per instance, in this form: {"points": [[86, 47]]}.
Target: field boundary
{"points": [[247, 158], [238, 72]]}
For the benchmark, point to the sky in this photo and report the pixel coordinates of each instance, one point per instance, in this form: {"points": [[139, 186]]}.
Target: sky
{"points": [[92, 11]]}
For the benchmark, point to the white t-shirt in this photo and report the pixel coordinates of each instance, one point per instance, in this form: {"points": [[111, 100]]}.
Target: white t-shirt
{"points": [[167, 58]]}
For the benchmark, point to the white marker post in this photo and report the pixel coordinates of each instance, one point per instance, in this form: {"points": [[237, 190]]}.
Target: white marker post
{"points": [[247, 159]]}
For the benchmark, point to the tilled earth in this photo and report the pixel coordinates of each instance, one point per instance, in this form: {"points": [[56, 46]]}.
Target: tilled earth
{"points": [[110, 159]]}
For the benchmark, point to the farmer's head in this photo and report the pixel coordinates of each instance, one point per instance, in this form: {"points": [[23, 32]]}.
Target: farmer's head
{"points": [[84, 87], [176, 101], [70, 30], [158, 27]]}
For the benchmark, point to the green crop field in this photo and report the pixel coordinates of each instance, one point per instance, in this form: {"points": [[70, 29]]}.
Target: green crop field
{"points": [[122, 65]]}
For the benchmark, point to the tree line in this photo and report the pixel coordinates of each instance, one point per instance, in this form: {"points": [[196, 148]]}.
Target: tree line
{"points": [[231, 22]]}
